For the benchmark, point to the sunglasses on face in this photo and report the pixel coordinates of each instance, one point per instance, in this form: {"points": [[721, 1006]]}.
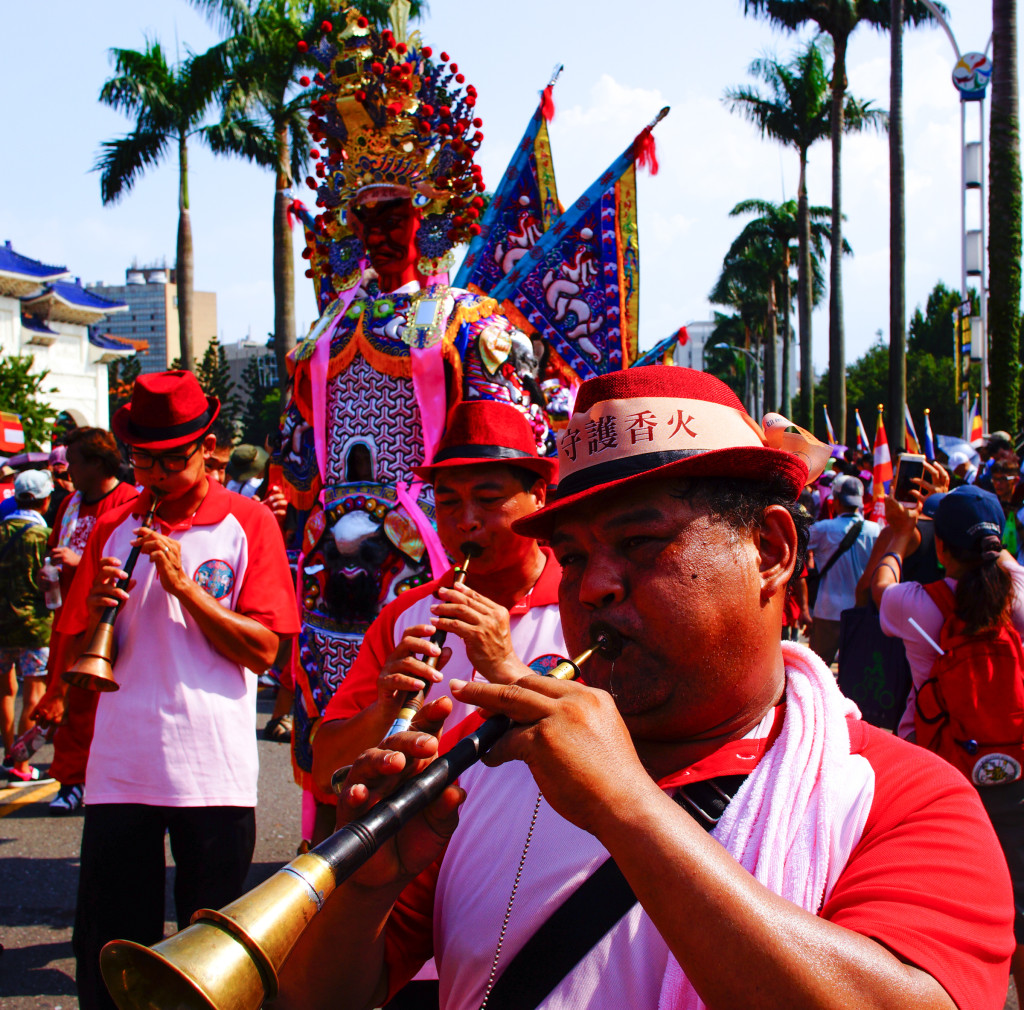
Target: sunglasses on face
{"points": [[169, 463]]}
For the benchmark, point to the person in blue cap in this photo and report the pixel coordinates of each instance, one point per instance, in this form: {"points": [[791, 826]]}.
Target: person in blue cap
{"points": [[963, 640]]}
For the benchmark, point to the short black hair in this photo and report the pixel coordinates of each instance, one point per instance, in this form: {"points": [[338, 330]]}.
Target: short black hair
{"points": [[742, 503], [524, 475], [221, 431]]}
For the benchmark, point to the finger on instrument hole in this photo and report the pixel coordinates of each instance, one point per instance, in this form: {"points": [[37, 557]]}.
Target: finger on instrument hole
{"points": [[534, 684], [454, 612], [413, 667], [514, 700], [420, 646], [431, 718], [399, 683]]}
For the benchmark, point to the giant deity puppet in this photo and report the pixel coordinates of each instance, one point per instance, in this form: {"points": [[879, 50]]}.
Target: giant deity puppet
{"points": [[545, 297], [395, 347]]}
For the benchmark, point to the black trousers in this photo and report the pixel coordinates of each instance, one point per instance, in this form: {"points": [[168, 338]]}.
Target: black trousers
{"points": [[121, 880]]}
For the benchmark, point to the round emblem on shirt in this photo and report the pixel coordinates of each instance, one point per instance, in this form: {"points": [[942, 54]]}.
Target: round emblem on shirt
{"points": [[996, 770], [216, 577], [543, 665]]}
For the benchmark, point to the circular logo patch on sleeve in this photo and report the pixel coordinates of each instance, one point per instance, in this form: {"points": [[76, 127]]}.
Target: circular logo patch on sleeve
{"points": [[216, 577], [546, 663], [996, 770]]}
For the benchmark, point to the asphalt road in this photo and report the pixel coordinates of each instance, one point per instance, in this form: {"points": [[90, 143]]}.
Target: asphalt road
{"points": [[39, 875]]}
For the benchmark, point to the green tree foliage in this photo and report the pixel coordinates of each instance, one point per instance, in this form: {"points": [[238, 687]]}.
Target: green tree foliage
{"points": [[930, 372], [22, 392], [214, 376], [121, 376], [261, 415]]}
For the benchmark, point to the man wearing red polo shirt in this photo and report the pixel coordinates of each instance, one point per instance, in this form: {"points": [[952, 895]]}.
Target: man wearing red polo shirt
{"points": [[486, 474], [174, 749]]}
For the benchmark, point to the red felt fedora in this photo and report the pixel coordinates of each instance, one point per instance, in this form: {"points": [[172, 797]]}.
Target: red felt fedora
{"points": [[488, 431], [658, 421], [167, 409]]}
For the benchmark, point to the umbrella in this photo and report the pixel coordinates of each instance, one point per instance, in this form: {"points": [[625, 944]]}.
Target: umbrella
{"points": [[28, 459]]}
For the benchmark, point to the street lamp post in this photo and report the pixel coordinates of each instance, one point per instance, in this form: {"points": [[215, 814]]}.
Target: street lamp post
{"points": [[970, 77], [758, 375]]}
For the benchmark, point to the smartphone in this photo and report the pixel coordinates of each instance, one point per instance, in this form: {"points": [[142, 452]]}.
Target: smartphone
{"points": [[910, 466]]}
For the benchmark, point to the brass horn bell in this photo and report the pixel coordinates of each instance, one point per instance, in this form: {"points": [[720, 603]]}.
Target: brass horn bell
{"points": [[94, 669]]}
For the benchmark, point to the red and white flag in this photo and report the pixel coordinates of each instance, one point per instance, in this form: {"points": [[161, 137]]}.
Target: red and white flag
{"points": [[881, 471]]}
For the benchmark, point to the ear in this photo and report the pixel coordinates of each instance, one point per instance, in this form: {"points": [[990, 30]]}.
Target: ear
{"points": [[540, 491], [776, 542], [209, 445]]}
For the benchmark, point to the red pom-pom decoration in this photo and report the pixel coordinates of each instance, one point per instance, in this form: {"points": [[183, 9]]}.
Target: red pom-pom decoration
{"points": [[444, 128], [363, 22], [480, 185], [310, 182], [478, 123], [301, 46], [401, 49], [314, 153], [320, 169], [309, 273], [304, 81], [307, 253], [455, 68], [471, 90], [319, 78], [472, 213], [326, 26], [428, 110], [377, 68], [475, 229], [360, 95], [478, 136], [427, 52], [444, 57], [394, 107], [445, 111], [477, 202], [470, 101], [460, 78]]}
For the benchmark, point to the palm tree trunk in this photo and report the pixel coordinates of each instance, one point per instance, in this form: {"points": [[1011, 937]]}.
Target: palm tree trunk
{"points": [[897, 237], [284, 267], [1004, 215], [771, 332], [803, 298], [786, 405], [836, 334], [184, 268]]}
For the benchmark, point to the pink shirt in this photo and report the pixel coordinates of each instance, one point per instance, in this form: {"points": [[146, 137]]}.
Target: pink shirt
{"points": [[181, 731], [910, 600]]}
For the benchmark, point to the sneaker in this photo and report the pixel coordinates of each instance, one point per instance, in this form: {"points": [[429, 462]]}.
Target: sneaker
{"points": [[33, 777], [68, 799]]}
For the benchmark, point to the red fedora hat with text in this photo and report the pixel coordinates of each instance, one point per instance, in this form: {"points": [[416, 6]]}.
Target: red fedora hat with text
{"points": [[660, 421], [167, 409], [488, 431]]}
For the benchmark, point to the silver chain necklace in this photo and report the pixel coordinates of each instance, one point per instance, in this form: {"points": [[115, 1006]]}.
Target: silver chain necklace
{"points": [[492, 978]]}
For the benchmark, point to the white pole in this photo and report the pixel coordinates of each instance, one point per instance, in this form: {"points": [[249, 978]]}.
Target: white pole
{"points": [[963, 256], [983, 285]]}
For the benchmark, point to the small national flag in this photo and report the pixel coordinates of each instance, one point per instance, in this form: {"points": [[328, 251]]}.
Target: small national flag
{"points": [[913, 443], [974, 429], [828, 425], [882, 470], [862, 436], [12, 434], [929, 437]]}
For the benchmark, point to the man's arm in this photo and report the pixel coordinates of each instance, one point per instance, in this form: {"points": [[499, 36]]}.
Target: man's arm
{"points": [[709, 910]]}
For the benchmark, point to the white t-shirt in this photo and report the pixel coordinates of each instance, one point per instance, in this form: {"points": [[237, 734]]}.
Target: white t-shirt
{"points": [[836, 589], [181, 730], [911, 600]]}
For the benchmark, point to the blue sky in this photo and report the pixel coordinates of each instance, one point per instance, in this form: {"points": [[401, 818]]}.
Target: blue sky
{"points": [[622, 63]]}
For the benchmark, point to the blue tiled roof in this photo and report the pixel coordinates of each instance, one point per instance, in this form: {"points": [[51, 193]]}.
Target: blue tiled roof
{"points": [[74, 294], [36, 325], [108, 342], [15, 263]]}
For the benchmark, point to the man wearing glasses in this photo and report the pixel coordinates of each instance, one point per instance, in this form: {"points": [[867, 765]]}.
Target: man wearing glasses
{"points": [[174, 749]]}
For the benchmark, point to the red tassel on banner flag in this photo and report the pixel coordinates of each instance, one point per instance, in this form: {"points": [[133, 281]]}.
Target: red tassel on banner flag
{"points": [[547, 103], [645, 151]]}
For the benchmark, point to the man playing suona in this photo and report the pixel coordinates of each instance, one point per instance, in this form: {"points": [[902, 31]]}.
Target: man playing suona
{"points": [[174, 749], [848, 870], [486, 474]]}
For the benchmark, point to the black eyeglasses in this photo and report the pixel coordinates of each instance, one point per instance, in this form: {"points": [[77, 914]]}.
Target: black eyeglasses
{"points": [[142, 460]]}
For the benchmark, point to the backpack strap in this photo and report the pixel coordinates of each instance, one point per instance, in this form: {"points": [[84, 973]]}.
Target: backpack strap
{"points": [[849, 539], [942, 596]]}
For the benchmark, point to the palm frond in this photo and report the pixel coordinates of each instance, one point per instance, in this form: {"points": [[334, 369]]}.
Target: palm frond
{"points": [[243, 138], [122, 161], [227, 16]]}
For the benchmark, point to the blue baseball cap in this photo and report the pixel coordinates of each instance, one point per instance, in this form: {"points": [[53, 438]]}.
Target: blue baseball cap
{"points": [[966, 516]]}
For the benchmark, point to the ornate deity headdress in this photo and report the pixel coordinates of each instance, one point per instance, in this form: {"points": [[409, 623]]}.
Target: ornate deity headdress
{"points": [[391, 122]]}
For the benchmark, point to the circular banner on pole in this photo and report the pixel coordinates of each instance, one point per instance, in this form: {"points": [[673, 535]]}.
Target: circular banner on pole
{"points": [[971, 75]]}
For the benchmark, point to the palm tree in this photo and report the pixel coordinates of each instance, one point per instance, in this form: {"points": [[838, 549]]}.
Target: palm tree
{"points": [[837, 19], [1004, 215], [779, 226], [265, 112], [796, 111], [897, 236], [169, 104]]}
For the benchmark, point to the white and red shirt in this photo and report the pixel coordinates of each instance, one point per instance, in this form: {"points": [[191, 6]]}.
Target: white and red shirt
{"points": [[911, 600], [181, 731], [535, 628], [922, 875]]}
